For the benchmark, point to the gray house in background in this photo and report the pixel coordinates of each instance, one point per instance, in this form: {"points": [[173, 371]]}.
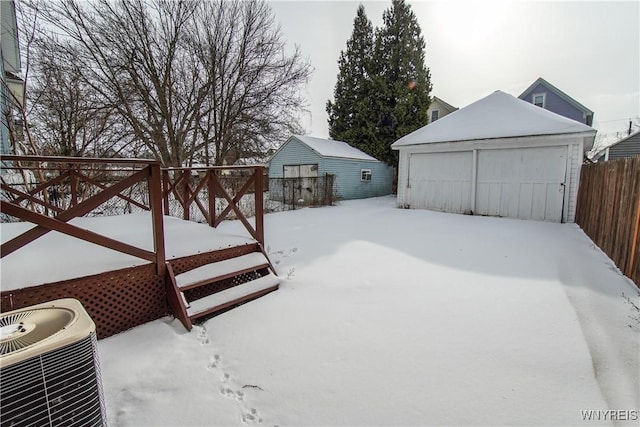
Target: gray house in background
{"points": [[357, 174], [545, 95], [438, 109], [626, 147]]}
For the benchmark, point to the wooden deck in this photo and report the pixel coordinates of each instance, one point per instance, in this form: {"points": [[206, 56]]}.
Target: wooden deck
{"points": [[57, 257], [117, 265]]}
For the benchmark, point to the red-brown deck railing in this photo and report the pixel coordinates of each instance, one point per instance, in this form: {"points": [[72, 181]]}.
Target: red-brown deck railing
{"points": [[54, 190], [38, 199], [188, 185]]}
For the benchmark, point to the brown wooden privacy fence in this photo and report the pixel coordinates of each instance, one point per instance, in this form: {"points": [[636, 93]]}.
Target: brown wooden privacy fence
{"points": [[608, 211]]}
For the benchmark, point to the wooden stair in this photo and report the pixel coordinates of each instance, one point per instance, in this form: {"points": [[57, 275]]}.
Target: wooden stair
{"points": [[219, 285]]}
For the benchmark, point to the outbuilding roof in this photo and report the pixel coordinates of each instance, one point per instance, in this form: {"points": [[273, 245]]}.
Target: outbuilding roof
{"points": [[603, 151], [332, 148], [498, 115]]}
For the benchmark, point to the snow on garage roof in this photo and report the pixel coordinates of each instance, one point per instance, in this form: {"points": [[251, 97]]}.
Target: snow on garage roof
{"points": [[498, 115], [331, 148]]}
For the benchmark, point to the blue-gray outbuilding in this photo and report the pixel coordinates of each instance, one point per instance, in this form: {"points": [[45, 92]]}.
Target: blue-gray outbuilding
{"points": [[357, 174]]}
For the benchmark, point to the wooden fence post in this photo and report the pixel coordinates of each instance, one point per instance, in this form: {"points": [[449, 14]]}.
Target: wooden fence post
{"points": [[73, 183], [155, 203], [166, 183], [259, 202], [186, 205], [212, 193], [634, 242]]}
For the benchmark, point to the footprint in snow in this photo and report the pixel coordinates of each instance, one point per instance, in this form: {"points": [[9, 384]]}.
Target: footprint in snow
{"points": [[291, 252], [214, 361], [285, 254], [202, 336], [251, 417], [227, 392]]}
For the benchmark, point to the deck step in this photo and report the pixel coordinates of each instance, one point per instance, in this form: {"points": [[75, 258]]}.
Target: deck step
{"points": [[242, 278], [232, 296], [220, 270]]}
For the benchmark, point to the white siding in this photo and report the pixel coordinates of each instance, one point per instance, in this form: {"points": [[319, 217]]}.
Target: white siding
{"points": [[555, 159], [573, 178], [403, 179]]}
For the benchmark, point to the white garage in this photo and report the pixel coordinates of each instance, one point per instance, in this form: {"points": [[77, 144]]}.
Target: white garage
{"points": [[499, 156]]}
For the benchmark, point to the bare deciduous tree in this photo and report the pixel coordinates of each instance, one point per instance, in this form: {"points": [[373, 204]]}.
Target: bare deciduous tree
{"points": [[185, 77], [69, 118], [254, 97]]}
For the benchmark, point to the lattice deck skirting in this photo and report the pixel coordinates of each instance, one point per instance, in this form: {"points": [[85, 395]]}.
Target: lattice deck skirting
{"points": [[121, 299]]}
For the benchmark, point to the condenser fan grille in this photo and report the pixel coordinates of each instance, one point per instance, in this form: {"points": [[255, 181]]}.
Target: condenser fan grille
{"points": [[61, 387], [25, 328]]}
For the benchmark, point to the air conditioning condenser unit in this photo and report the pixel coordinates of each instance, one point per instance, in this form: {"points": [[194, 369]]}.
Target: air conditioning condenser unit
{"points": [[49, 371]]}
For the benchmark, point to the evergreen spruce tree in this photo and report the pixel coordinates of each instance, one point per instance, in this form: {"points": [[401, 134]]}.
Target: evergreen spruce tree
{"points": [[401, 83], [350, 115], [382, 91]]}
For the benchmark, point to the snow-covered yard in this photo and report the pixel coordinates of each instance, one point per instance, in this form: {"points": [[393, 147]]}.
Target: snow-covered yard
{"points": [[396, 317]]}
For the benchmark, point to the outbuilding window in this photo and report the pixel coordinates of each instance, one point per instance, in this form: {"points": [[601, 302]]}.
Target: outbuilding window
{"points": [[365, 175]]}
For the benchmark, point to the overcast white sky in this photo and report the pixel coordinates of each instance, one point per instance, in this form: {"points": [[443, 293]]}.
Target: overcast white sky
{"points": [[589, 50]]}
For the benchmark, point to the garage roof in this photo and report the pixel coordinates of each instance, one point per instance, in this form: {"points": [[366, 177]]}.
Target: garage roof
{"points": [[498, 115], [332, 148]]}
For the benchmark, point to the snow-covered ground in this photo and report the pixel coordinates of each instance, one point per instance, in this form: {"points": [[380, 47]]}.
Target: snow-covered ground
{"points": [[397, 317]]}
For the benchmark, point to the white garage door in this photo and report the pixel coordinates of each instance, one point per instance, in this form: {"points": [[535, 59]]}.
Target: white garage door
{"points": [[441, 181], [526, 183]]}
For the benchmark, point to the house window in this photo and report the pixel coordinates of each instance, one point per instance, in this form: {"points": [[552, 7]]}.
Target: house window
{"points": [[435, 115], [365, 175], [538, 99]]}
